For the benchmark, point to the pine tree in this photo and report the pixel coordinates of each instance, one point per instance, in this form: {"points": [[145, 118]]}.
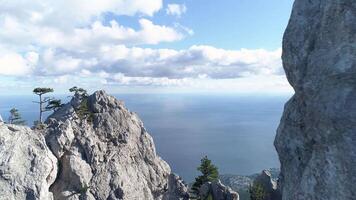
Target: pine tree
{"points": [[79, 91], [54, 104], [257, 192], [40, 92], [209, 173], [15, 117]]}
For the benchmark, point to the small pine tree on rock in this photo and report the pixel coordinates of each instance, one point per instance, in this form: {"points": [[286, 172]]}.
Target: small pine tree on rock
{"points": [[15, 117], [54, 104], [209, 172], [79, 91], [42, 100]]}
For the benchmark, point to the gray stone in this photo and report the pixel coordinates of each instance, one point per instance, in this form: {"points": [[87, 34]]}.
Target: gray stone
{"points": [[268, 184], [218, 191], [177, 189], [27, 166], [107, 154], [316, 139]]}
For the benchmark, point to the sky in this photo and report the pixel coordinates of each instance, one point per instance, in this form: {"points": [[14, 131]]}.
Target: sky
{"points": [[143, 46]]}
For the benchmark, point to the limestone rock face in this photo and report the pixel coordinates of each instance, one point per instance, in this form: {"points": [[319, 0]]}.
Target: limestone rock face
{"points": [[316, 139], [105, 153], [27, 166], [218, 191]]}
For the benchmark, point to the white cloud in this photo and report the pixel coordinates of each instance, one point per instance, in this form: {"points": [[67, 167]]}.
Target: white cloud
{"points": [[45, 38], [85, 39], [195, 62], [176, 9], [79, 24], [14, 64], [53, 42], [73, 12]]}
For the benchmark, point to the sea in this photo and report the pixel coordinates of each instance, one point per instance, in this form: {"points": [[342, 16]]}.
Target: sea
{"points": [[235, 131]]}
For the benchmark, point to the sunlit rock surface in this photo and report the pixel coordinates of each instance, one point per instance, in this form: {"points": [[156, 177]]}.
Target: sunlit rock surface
{"points": [[107, 154], [27, 166]]}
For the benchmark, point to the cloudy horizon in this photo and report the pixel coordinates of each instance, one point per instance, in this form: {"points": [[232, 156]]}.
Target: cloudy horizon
{"points": [[141, 46]]}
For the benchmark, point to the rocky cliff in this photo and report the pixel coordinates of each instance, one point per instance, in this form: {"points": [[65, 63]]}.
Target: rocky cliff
{"points": [[94, 148], [316, 139], [105, 153]]}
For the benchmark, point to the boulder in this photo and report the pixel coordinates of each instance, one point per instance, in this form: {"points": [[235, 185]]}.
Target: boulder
{"points": [[316, 139], [27, 166], [217, 191]]}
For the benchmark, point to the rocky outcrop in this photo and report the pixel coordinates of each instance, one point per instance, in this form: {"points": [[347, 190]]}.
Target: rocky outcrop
{"points": [[217, 191], [105, 153], [178, 190], [316, 140], [269, 186], [27, 166]]}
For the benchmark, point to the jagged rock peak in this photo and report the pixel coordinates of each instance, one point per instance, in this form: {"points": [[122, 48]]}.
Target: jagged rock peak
{"points": [[27, 166], [105, 152], [316, 139]]}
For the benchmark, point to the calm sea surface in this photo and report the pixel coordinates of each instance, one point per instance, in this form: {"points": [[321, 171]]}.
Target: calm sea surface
{"points": [[234, 131]]}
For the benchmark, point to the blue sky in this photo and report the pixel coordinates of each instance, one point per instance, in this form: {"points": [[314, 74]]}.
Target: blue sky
{"points": [[143, 45], [228, 24], [234, 24]]}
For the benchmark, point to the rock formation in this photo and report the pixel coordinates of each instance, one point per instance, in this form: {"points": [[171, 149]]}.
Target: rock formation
{"points": [[218, 191], [268, 184], [316, 140], [27, 166], [93, 148], [105, 153]]}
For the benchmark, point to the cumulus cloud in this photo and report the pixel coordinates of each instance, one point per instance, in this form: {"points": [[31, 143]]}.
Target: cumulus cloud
{"points": [[96, 34], [176, 9], [66, 13], [193, 62], [79, 24], [12, 63], [55, 42], [136, 62]]}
